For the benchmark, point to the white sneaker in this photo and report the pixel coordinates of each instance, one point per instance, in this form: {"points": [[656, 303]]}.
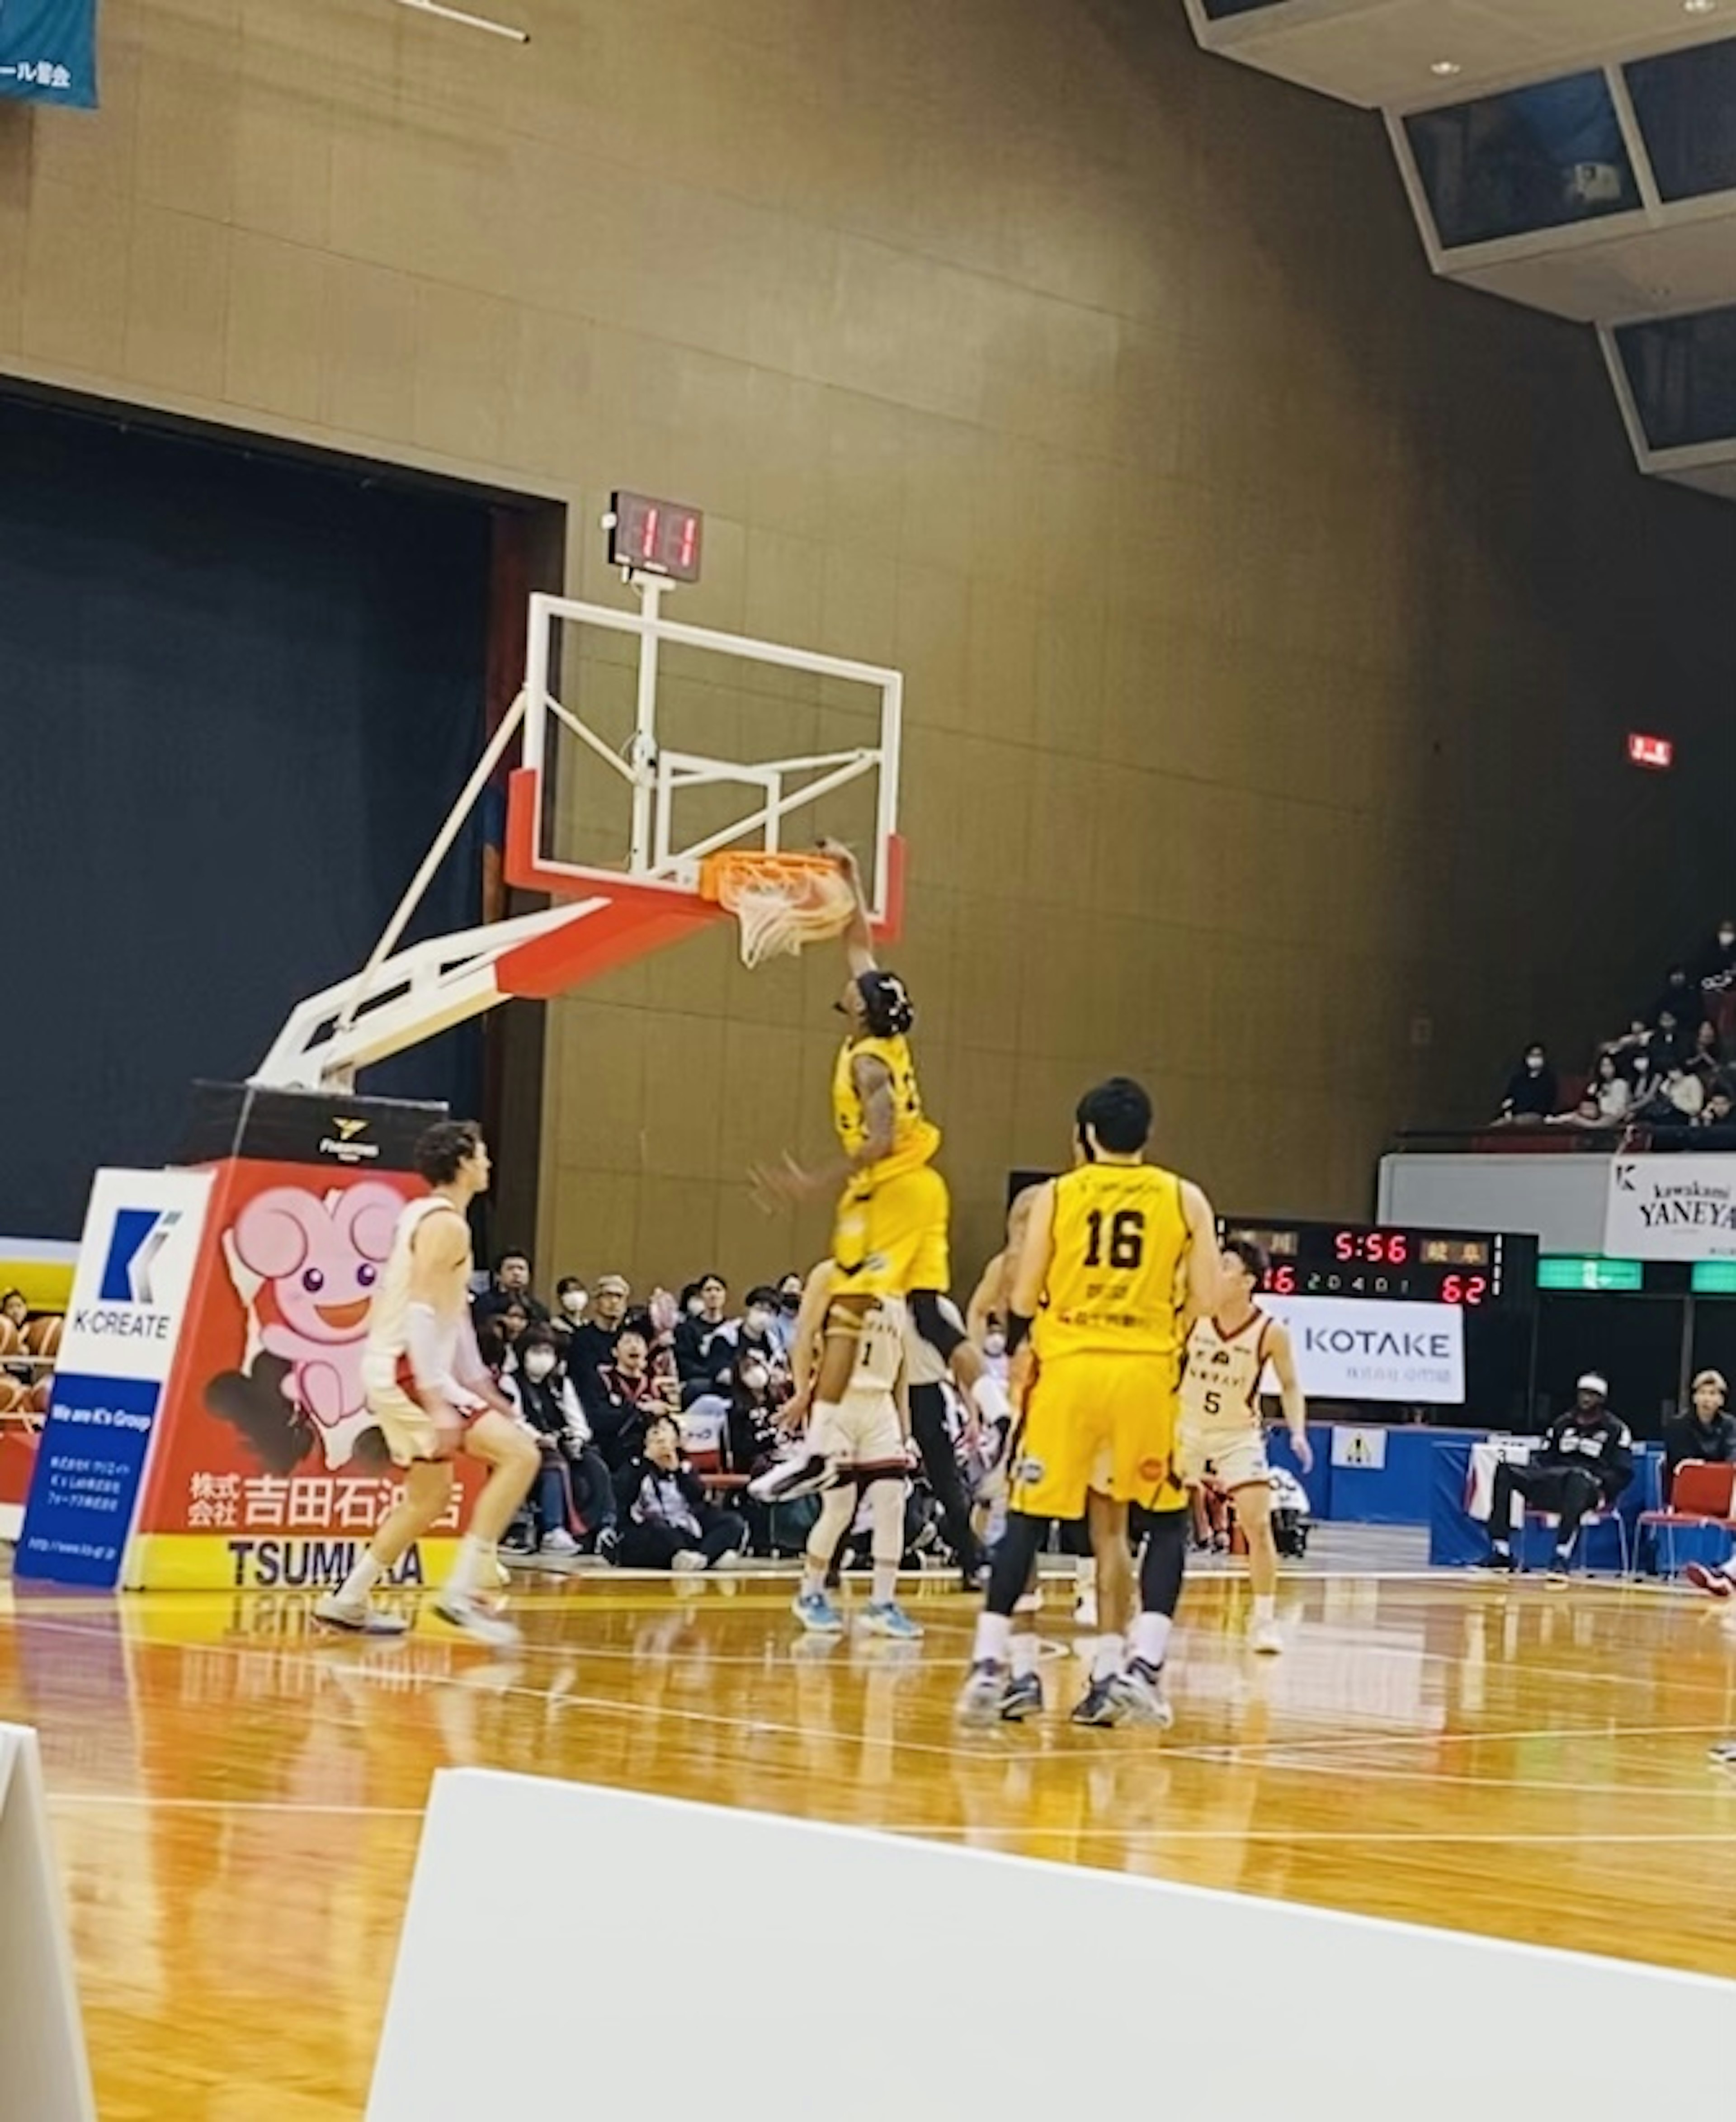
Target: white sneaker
{"points": [[559, 1541], [1030, 1603], [1140, 1691], [1084, 1609], [688, 1559], [1263, 1636], [357, 1617], [732, 1558], [464, 1612]]}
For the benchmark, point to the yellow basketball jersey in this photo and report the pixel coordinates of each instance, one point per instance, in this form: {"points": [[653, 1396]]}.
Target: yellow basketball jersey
{"points": [[914, 1138], [1118, 1273]]}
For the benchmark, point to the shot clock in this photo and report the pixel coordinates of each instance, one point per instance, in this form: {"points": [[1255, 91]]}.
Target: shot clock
{"points": [[1393, 1263], [652, 537]]}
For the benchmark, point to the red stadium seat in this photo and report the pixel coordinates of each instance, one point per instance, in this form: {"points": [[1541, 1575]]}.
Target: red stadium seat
{"points": [[41, 1394], [42, 1336], [11, 1341], [14, 1397], [1704, 1494]]}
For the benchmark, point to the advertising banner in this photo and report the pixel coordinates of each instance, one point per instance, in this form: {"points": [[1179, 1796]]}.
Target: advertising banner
{"points": [[270, 1473], [131, 1291], [1671, 1207], [48, 51], [1364, 1349]]}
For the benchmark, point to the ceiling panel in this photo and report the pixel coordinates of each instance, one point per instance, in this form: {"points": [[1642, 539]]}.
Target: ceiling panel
{"points": [[1379, 52], [1657, 270]]}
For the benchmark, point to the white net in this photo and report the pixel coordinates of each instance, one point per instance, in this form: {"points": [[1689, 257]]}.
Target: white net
{"points": [[781, 902]]}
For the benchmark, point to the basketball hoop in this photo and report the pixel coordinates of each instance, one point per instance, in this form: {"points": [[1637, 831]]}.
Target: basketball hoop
{"points": [[783, 901]]}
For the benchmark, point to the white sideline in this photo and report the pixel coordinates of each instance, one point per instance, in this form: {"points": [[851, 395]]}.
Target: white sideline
{"points": [[642, 1914]]}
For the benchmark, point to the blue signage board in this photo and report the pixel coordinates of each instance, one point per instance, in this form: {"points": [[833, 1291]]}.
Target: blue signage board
{"points": [[85, 1489], [48, 51]]}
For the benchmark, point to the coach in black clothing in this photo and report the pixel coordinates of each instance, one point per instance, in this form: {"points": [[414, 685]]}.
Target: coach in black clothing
{"points": [[1707, 1432], [1586, 1461]]}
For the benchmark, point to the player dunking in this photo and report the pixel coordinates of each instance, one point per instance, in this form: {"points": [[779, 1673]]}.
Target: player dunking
{"points": [[890, 1239], [431, 1395], [1119, 1257], [1222, 1440]]}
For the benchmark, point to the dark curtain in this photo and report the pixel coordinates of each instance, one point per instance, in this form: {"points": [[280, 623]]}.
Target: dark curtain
{"points": [[236, 696]]}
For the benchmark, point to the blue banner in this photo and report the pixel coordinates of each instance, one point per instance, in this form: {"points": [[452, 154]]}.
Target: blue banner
{"points": [[89, 1465], [48, 51]]}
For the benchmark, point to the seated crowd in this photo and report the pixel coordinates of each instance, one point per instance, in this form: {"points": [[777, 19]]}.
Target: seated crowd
{"points": [[652, 1417], [1673, 1068]]}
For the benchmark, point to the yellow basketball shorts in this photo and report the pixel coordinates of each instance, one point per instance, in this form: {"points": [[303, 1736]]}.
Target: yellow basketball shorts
{"points": [[1099, 1424], [890, 1237]]}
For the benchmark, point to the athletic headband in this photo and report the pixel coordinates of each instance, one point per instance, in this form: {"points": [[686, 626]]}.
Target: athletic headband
{"points": [[1591, 1382], [1710, 1378]]}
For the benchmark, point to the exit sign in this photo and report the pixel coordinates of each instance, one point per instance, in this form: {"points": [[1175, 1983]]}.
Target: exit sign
{"points": [[1653, 751]]}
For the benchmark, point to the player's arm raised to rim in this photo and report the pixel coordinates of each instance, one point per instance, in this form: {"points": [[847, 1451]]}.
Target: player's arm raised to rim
{"points": [[1204, 1271], [810, 1322], [858, 937], [1282, 1357]]}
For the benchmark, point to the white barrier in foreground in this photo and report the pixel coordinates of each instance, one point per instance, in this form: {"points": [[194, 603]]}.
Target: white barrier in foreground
{"points": [[44, 2075], [658, 1949]]}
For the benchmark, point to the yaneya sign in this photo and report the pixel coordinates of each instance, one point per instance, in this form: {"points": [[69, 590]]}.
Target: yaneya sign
{"points": [[1671, 1207], [1357, 1348]]}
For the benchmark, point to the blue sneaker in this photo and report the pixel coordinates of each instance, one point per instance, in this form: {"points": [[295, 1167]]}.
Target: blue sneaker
{"points": [[817, 1614], [890, 1620]]}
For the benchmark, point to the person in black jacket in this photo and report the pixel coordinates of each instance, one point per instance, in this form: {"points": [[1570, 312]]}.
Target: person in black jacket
{"points": [[666, 1521], [1532, 1092], [1586, 1461], [1705, 1431]]}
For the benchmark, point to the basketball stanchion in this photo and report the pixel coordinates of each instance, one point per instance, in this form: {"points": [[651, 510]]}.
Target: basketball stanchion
{"points": [[44, 2074]]}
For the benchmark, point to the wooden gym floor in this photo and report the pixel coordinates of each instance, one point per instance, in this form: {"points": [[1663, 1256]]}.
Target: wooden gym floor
{"points": [[235, 1799]]}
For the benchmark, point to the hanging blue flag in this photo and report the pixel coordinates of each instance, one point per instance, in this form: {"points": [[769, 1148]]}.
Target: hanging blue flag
{"points": [[48, 51]]}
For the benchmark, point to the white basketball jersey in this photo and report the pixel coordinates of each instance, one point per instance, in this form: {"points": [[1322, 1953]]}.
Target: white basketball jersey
{"points": [[388, 1315], [1220, 1386]]}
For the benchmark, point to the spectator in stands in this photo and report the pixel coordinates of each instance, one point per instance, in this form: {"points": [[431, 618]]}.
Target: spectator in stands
{"points": [[627, 1397], [1719, 1110], [1532, 1092], [1629, 1054], [751, 1430], [1587, 1114], [510, 1323], [1611, 1090], [758, 1332], [1674, 1099], [789, 1305], [1585, 1461], [574, 1498], [1706, 1057], [1715, 966], [1680, 999], [705, 1339], [666, 1521], [512, 1283], [1667, 1046], [572, 1301], [592, 1346], [1707, 1431], [13, 1307]]}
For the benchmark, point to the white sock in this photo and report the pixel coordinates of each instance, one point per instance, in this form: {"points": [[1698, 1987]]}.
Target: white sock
{"points": [[1085, 1574], [1025, 1655], [361, 1579], [1151, 1637], [994, 1638], [886, 1503], [883, 1588], [1111, 1650], [989, 1396], [461, 1582], [1265, 1609]]}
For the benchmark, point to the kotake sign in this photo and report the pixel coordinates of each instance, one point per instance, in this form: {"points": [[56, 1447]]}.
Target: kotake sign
{"points": [[1354, 1348], [1671, 1207]]}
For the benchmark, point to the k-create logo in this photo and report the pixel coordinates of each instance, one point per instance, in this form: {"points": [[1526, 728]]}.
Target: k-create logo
{"points": [[135, 1245]]}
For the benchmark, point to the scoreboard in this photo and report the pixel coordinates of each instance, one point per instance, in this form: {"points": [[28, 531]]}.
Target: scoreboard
{"points": [[1391, 1262]]}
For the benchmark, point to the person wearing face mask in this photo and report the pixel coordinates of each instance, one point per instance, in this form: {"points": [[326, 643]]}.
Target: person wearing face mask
{"points": [[573, 1300], [758, 1332], [574, 1498], [1533, 1093], [751, 1428], [789, 1307]]}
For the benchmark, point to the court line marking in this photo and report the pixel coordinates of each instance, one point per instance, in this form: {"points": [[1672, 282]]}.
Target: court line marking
{"points": [[988, 1745], [1288, 1835], [231, 1804]]}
